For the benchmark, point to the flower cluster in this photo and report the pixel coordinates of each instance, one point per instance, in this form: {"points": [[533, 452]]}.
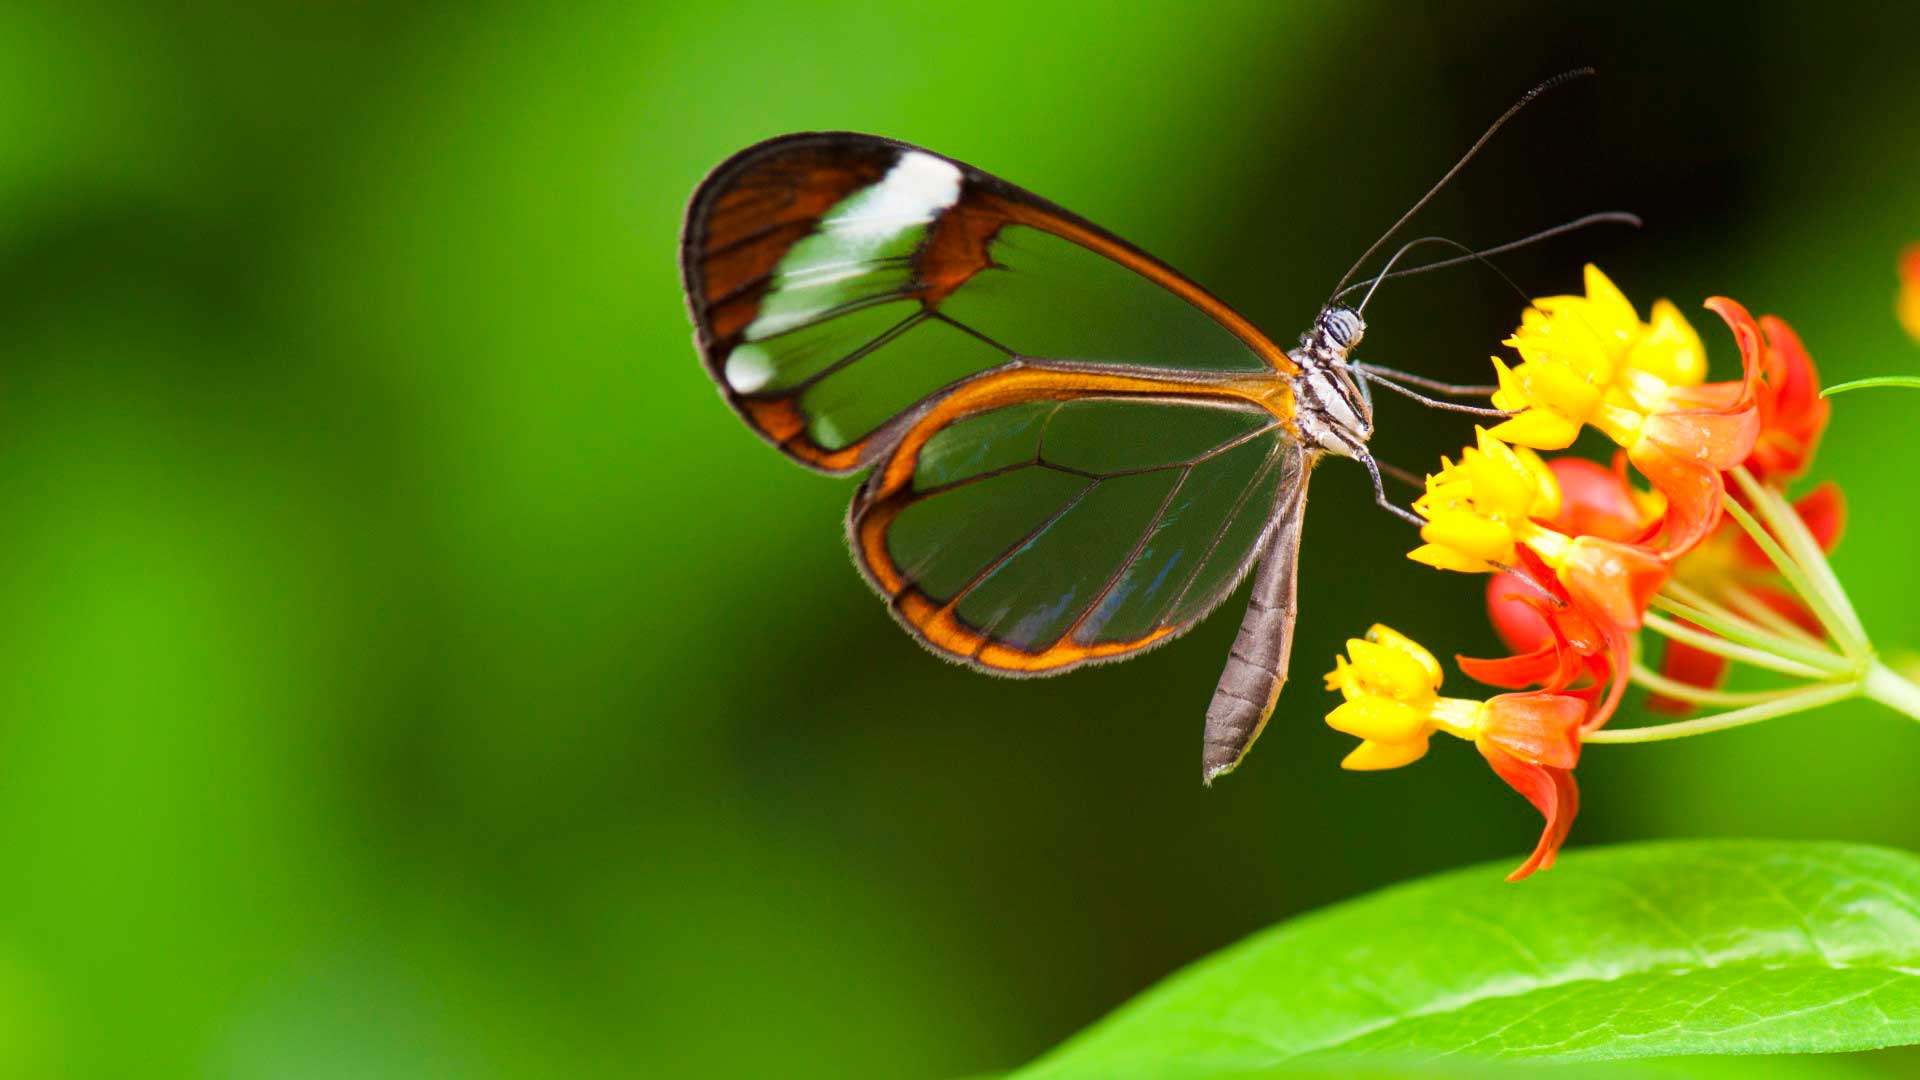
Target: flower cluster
{"points": [[1686, 535]]}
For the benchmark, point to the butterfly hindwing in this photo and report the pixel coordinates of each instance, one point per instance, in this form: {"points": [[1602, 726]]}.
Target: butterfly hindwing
{"points": [[840, 282], [1052, 529]]}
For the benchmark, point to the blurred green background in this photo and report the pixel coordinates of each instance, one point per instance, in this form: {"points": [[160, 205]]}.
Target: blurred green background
{"points": [[410, 667]]}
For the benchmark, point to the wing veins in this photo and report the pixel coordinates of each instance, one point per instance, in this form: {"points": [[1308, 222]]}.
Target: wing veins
{"points": [[964, 328], [998, 470], [1015, 548], [880, 341], [1226, 523], [1133, 556]]}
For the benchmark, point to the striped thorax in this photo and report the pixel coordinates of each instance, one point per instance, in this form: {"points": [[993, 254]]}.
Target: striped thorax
{"points": [[1335, 410]]}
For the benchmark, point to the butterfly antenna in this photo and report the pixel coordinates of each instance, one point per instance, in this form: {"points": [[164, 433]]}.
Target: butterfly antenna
{"points": [[1607, 217], [1373, 283], [1525, 100]]}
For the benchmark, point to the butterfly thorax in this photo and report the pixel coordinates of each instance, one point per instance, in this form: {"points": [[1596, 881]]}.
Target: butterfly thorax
{"points": [[1335, 414]]}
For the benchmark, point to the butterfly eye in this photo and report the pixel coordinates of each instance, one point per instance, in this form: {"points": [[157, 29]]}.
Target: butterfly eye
{"points": [[1341, 326]]}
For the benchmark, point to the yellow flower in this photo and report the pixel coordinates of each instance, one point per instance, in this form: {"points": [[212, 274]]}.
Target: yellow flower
{"points": [[1590, 360], [1477, 511], [1391, 688]]}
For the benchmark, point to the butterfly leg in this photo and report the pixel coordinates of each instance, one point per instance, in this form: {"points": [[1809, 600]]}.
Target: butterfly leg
{"points": [[1424, 383], [1380, 493], [1373, 376]]}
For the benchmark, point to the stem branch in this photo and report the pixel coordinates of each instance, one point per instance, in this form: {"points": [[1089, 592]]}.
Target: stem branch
{"points": [[1810, 698], [1885, 686], [1700, 695], [1759, 658]]}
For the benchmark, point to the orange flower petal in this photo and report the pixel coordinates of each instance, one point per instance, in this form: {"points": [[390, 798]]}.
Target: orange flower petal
{"points": [[1694, 490], [1551, 791], [1540, 728], [1612, 581]]}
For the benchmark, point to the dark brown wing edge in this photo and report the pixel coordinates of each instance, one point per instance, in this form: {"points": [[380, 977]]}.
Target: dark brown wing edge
{"points": [[1257, 665], [827, 167]]}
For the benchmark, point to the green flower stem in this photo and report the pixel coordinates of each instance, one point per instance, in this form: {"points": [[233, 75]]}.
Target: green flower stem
{"points": [[1793, 532], [1887, 687], [1719, 646], [1741, 632], [1795, 574], [1812, 697], [1700, 695], [1750, 606], [1906, 381]]}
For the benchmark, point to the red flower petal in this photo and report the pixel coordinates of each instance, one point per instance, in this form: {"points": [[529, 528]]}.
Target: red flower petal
{"points": [[1746, 334], [1824, 509], [1551, 791], [1596, 501], [1543, 666], [1521, 626], [1792, 413]]}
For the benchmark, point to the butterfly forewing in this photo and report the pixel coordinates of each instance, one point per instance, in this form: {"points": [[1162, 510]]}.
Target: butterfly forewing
{"points": [[839, 280]]}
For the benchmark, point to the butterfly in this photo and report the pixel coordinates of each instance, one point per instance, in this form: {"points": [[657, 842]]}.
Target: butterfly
{"points": [[1075, 453]]}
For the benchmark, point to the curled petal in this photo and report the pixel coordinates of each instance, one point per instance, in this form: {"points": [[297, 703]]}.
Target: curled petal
{"points": [[1792, 413], [1746, 334], [1551, 791], [1544, 666], [1695, 492]]}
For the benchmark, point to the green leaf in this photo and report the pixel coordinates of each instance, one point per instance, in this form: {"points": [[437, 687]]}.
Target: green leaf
{"points": [[1828, 1067], [1911, 382], [1655, 950]]}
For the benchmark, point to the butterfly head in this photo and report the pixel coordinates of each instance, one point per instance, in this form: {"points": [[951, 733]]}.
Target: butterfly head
{"points": [[1335, 410], [1338, 329]]}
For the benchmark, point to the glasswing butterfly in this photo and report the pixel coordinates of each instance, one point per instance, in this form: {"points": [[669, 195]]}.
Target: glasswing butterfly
{"points": [[1076, 452]]}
